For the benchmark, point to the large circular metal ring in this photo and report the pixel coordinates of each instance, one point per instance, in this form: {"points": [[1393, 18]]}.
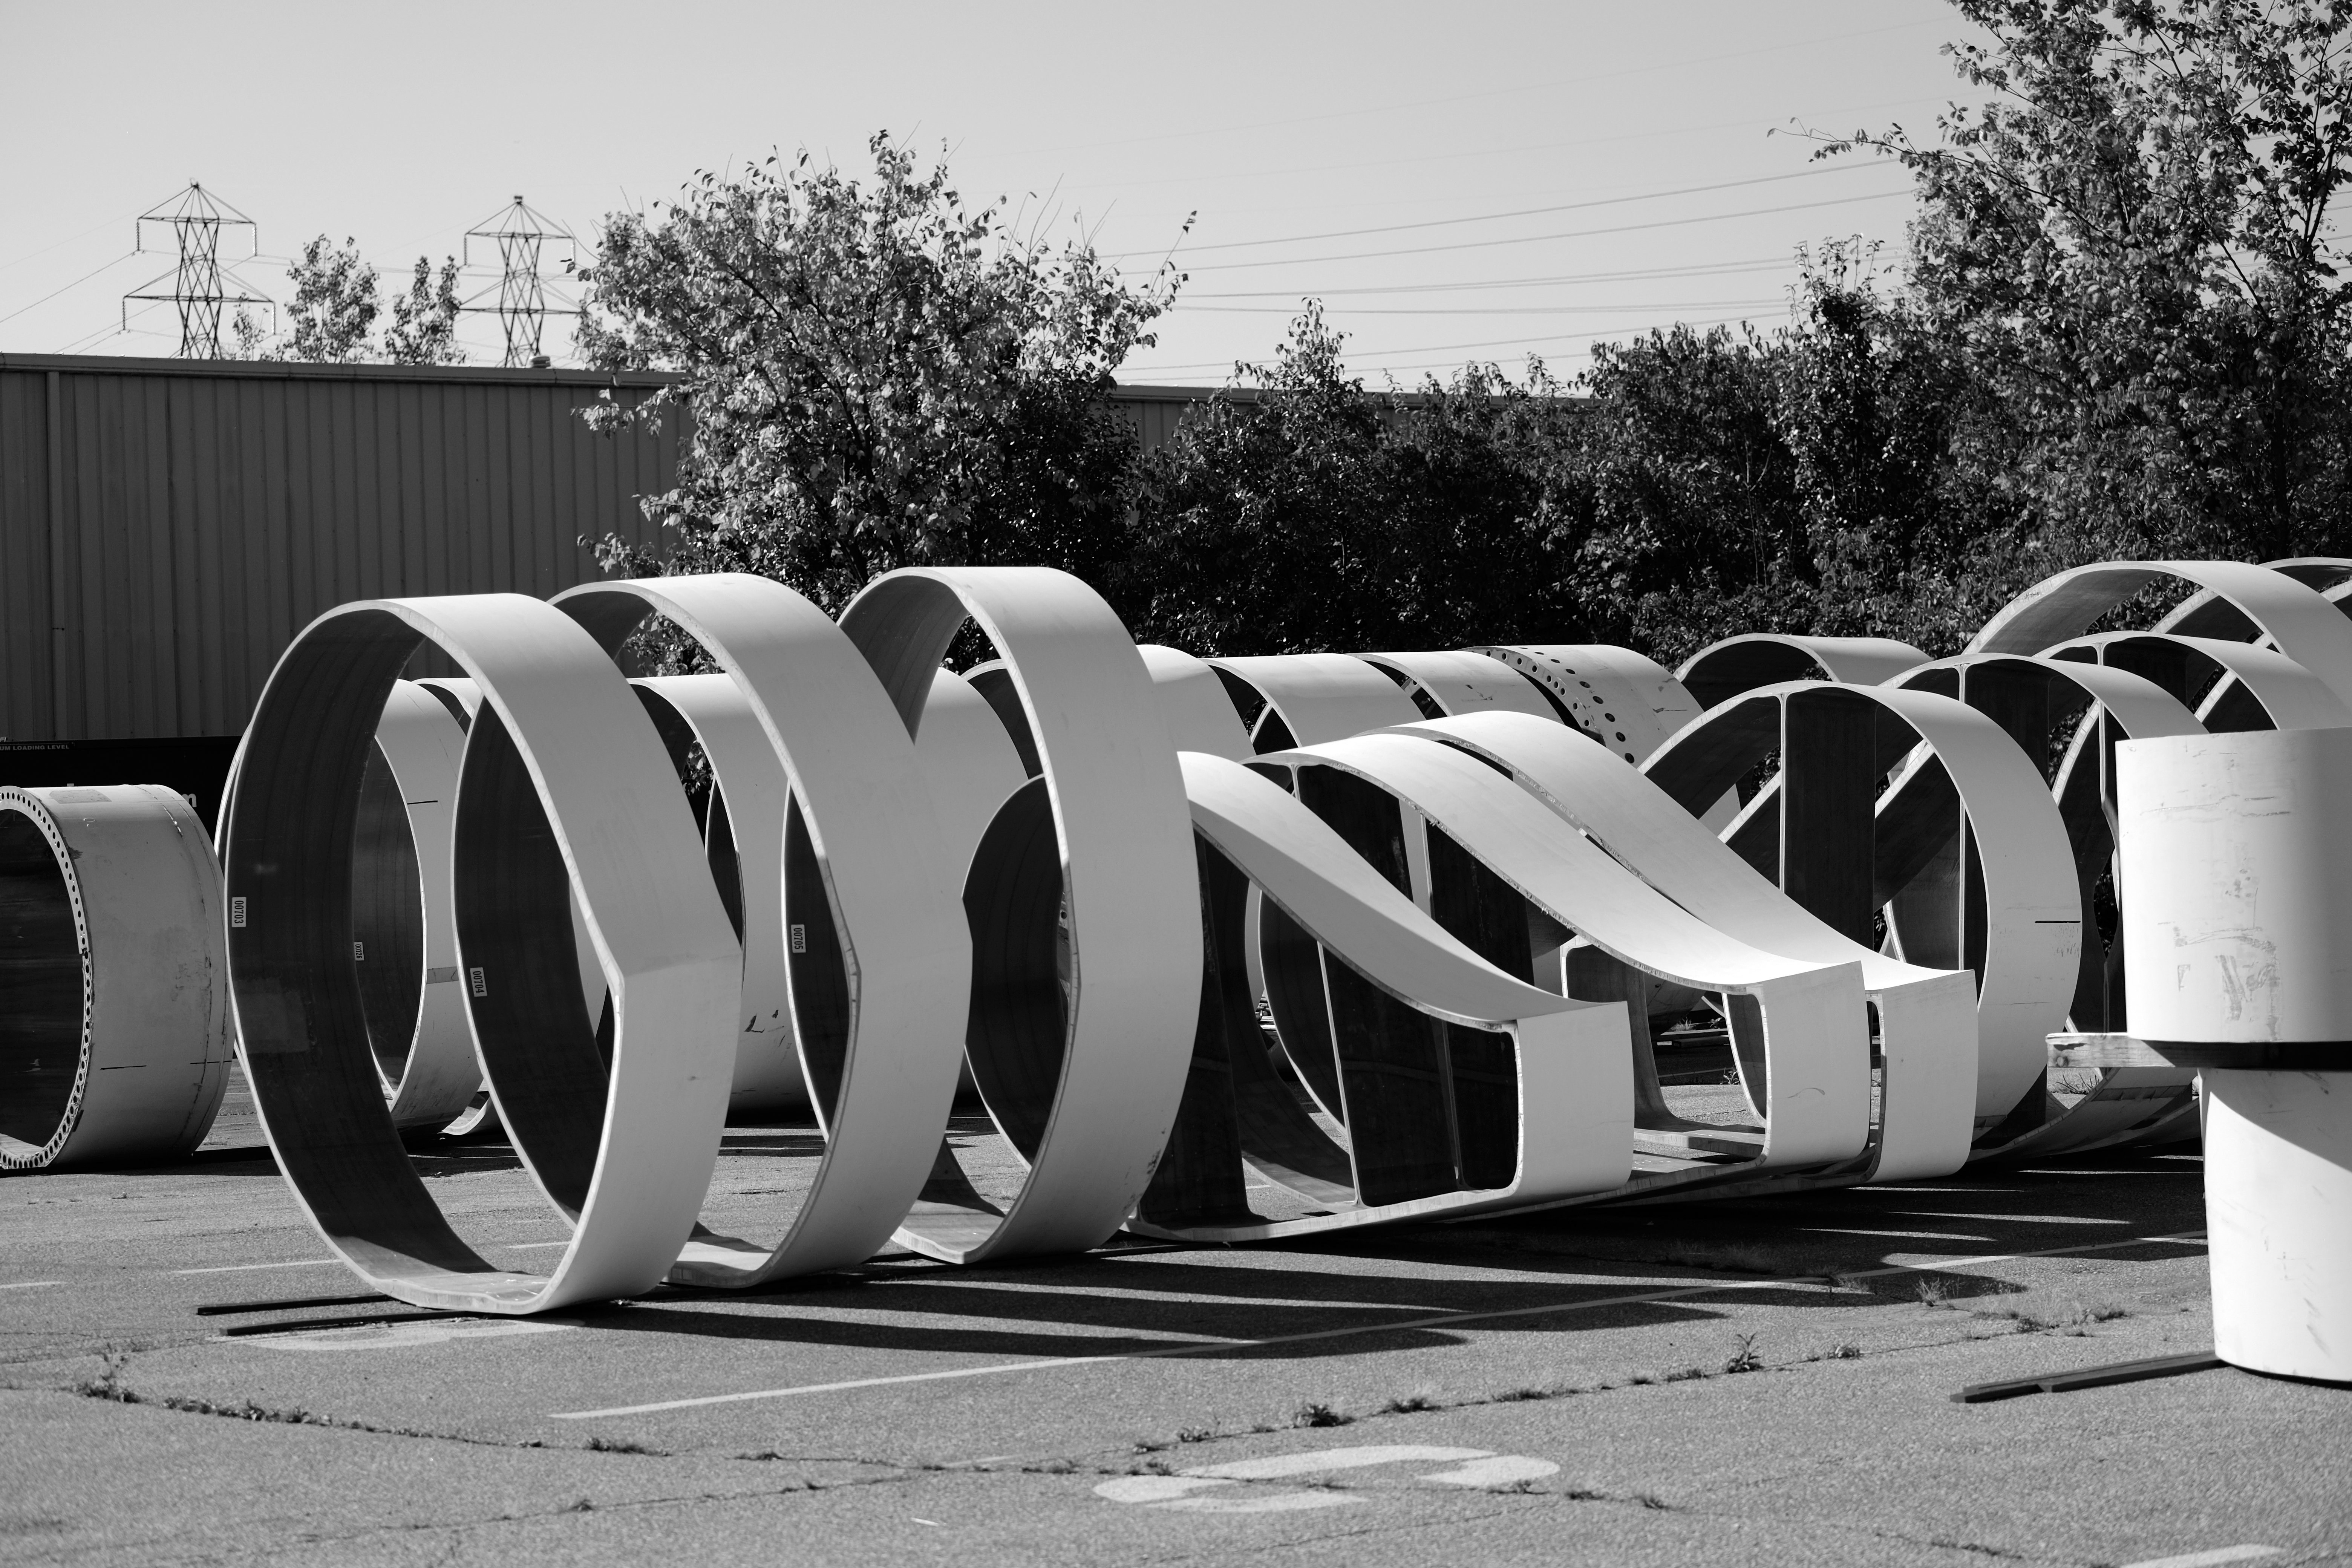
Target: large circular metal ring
{"points": [[879, 958], [2301, 622], [1966, 839], [1082, 903], [1721, 671], [1623, 699], [743, 840], [566, 789]]}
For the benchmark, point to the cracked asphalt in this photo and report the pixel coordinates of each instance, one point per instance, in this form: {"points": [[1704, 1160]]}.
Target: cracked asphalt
{"points": [[1755, 1381]]}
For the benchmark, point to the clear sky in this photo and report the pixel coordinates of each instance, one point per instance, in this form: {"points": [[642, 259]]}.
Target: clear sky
{"points": [[1493, 180]]}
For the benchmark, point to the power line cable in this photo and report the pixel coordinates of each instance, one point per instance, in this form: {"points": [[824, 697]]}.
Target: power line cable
{"points": [[1439, 348], [1636, 274], [1536, 238], [1683, 64], [75, 284], [1196, 177], [1483, 310], [118, 331], [1521, 212], [67, 240]]}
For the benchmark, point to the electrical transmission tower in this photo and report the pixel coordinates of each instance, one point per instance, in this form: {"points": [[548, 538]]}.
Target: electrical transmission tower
{"points": [[522, 308], [200, 285]]}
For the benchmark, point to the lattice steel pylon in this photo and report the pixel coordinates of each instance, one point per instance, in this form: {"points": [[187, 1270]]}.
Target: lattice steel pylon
{"points": [[200, 285], [523, 310]]}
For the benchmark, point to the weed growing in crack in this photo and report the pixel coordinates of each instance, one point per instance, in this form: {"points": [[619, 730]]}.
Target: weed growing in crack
{"points": [[1512, 1396], [1410, 1404], [305, 1418], [617, 1445], [1843, 1350], [1651, 1500], [1684, 1374], [1193, 1435], [1640, 1380], [1315, 1414], [1932, 1291], [1522, 1487], [582, 1506], [1149, 1448], [1582, 1494], [247, 1410], [1744, 1358], [2106, 1312], [108, 1384], [1151, 1467]]}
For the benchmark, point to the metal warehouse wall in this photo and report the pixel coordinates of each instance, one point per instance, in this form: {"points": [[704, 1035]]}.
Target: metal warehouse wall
{"points": [[1156, 411], [166, 526]]}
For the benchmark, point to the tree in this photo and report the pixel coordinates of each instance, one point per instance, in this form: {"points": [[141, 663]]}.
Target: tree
{"points": [[1257, 523], [424, 328], [2128, 253], [877, 376], [1867, 403], [334, 307], [1315, 516], [1688, 518]]}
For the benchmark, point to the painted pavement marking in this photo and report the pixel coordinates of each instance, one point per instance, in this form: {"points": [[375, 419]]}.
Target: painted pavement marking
{"points": [[1190, 1490], [249, 1267], [407, 1335], [2213, 1559], [1444, 1320]]}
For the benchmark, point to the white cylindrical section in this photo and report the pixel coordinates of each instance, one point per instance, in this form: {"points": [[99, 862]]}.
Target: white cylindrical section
{"points": [[2237, 910], [2236, 865], [114, 1033], [2278, 1216]]}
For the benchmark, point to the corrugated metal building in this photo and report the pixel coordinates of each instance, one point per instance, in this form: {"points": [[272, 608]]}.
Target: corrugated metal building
{"points": [[167, 525]]}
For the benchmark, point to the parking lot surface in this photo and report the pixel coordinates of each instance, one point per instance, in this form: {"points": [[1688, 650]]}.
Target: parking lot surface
{"points": [[1754, 1381]]}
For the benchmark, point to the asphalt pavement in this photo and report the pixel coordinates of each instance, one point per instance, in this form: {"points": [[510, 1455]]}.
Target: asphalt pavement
{"points": [[1756, 1381]]}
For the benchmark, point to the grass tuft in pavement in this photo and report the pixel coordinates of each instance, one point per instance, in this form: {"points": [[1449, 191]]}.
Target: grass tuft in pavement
{"points": [[108, 1384]]}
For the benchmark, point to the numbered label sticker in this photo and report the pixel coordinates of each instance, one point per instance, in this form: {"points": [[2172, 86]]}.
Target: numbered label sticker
{"points": [[481, 987], [236, 913]]}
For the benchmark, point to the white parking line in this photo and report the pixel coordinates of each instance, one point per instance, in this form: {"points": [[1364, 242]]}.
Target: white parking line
{"points": [[316, 1262], [1444, 1320], [30, 1284], [2213, 1559], [249, 1267]]}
